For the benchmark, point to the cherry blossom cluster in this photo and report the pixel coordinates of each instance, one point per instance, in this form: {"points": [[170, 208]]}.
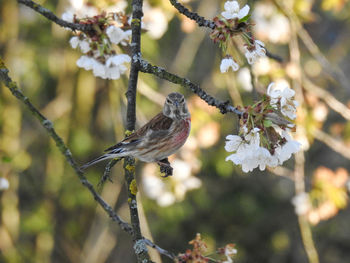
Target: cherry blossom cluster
{"points": [[264, 138], [196, 255], [233, 22], [229, 251], [111, 33]]}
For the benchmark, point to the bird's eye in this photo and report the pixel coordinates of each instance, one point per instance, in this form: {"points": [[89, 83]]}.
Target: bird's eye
{"points": [[182, 100], [168, 101]]}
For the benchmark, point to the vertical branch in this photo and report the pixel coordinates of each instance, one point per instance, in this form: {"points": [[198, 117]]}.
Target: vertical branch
{"points": [[299, 174], [140, 247], [304, 226], [134, 71]]}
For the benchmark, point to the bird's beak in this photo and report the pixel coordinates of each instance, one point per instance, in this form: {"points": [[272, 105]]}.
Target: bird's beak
{"points": [[176, 104]]}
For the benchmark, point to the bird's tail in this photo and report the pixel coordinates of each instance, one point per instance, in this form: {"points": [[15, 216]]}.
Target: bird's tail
{"points": [[97, 160]]}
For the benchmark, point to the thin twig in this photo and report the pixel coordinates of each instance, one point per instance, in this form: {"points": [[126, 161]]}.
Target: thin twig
{"points": [[51, 16], [328, 98], [304, 226], [224, 107], [336, 145], [282, 171], [159, 249], [299, 167], [274, 56], [201, 21]]}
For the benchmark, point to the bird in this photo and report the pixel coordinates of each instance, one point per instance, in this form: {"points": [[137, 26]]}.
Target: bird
{"points": [[161, 137]]}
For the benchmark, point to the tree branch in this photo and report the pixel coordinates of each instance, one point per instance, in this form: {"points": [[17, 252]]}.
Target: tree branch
{"points": [[47, 124], [224, 107], [159, 249], [200, 20], [140, 247], [51, 16]]}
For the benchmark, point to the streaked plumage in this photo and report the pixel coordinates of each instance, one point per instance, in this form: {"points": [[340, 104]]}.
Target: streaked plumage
{"points": [[162, 136]]}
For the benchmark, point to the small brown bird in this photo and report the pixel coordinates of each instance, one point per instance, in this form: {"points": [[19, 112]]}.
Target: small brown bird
{"points": [[162, 136]]}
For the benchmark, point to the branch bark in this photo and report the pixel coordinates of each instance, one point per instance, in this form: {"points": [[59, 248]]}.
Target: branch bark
{"points": [[51, 16], [201, 21], [223, 106], [140, 247]]}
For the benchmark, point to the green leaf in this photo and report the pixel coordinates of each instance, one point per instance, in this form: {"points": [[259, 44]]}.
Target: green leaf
{"points": [[267, 123], [6, 159], [244, 19]]}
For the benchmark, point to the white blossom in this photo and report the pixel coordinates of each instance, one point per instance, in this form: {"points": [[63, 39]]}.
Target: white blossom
{"points": [[301, 203], [232, 143], [80, 9], [285, 151], [86, 62], [83, 44], [74, 42], [229, 252], [68, 16], [183, 180], [263, 157], [232, 10], [4, 184], [250, 154], [282, 97], [246, 150], [278, 91], [154, 21], [244, 79], [270, 24], [115, 66], [253, 137], [117, 60], [117, 35], [166, 199], [252, 54], [99, 70], [153, 186], [167, 192], [226, 63], [112, 69]]}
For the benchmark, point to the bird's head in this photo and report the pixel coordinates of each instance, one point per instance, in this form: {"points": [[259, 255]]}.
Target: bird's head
{"points": [[175, 106]]}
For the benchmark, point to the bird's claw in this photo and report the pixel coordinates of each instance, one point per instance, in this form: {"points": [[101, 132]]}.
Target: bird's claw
{"points": [[165, 168]]}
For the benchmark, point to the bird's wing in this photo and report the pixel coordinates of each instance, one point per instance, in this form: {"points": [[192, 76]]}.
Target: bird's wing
{"points": [[159, 124]]}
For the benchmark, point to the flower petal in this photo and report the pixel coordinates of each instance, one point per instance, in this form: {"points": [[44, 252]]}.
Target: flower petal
{"points": [[243, 12]]}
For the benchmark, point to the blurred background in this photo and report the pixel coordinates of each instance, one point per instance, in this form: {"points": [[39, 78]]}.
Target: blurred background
{"points": [[47, 216]]}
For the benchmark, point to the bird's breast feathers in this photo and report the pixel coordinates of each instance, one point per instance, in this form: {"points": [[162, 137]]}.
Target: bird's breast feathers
{"points": [[180, 132]]}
